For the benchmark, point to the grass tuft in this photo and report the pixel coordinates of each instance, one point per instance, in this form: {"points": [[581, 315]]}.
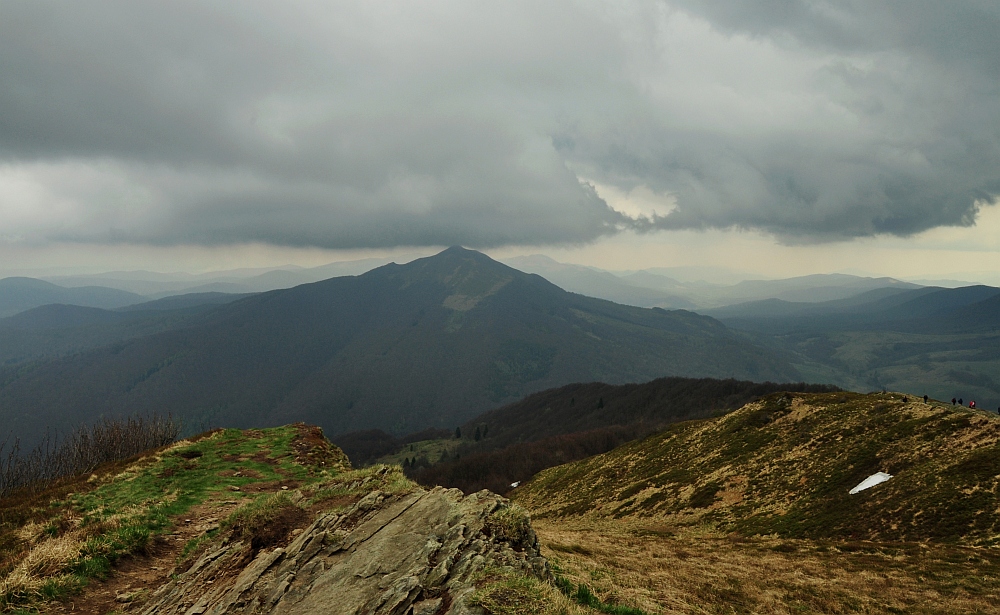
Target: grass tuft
{"points": [[264, 521], [504, 591], [510, 523]]}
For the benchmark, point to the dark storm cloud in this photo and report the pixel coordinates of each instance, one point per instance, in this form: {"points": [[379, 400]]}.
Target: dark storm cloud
{"points": [[959, 33], [895, 131], [350, 125]]}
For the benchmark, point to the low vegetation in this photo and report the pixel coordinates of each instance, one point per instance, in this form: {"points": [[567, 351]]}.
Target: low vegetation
{"points": [[502, 591], [657, 567], [83, 450], [784, 466], [510, 523], [54, 541], [264, 521]]}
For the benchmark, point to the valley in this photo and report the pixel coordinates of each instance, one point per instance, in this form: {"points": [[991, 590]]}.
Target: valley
{"points": [[939, 342]]}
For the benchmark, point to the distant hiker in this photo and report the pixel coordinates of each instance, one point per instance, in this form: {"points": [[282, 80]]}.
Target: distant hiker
{"points": [[905, 400], [925, 399], [960, 403], [972, 404], [953, 401]]}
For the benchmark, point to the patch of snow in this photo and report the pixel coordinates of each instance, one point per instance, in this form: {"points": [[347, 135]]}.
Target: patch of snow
{"points": [[871, 481], [515, 483]]}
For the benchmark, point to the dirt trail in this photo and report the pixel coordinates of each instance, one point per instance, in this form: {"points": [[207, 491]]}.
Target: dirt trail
{"points": [[133, 576]]}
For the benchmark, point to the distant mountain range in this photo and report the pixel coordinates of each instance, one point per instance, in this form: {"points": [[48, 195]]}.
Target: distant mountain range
{"points": [[699, 288], [153, 285], [19, 294], [69, 354], [430, 343], [941, 341], [57, 330], [656, 288]]}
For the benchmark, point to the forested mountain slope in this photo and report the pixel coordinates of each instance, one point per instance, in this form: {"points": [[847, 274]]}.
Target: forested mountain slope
{"points": [[430, 343]]}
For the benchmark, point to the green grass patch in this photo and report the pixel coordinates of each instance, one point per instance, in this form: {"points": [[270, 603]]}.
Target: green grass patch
{"points": [[122, 512], [354, 484], [583, 596]]}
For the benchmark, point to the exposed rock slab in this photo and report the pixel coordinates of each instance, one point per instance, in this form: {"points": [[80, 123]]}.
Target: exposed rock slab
{"points": [[415, 554]]}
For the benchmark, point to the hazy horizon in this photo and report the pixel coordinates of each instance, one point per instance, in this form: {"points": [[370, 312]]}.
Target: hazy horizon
{"points": [[712, 274]]}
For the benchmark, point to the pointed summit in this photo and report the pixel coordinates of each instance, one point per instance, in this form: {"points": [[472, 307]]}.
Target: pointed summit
{"points": [[465, 273]]}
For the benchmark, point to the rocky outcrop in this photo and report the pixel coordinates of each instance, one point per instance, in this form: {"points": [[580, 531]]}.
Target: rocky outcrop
{"points": [[412, 554]]}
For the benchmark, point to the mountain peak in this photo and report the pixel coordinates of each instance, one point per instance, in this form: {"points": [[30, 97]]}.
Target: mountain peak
{"points": [[468, 271]]}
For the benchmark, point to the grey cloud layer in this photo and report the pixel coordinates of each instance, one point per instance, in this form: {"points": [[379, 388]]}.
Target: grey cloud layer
{"points": [[370, 124]]}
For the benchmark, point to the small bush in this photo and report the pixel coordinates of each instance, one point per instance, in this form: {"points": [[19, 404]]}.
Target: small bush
{"points": [[511, 524], [705, 496], [265, 521]]}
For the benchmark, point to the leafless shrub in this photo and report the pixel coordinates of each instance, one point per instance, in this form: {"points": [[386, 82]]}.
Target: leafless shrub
{"points": [[110, 439]]}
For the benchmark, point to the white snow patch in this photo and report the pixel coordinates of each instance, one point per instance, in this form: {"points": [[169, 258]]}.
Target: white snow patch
{"points": [[871, 481], [515, 484]]}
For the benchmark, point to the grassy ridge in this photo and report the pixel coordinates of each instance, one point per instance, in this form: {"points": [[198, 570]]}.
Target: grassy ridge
{"points": [[53, 543], [784, 466]]}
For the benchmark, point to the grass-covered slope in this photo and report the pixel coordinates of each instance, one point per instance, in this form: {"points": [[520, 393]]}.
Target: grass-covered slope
{"points": [[54, 543], [784, 466], [513, 443], [265, 521]]}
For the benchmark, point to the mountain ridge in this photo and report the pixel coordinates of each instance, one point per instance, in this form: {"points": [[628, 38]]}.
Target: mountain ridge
{"points": [[785, 465], [19, 293], [341, 353]]}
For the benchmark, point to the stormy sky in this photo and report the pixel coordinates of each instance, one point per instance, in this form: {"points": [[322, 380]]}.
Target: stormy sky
{"points": [[347, 126]]}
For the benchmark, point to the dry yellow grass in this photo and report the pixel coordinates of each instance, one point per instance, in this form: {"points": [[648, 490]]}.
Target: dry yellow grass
{"points": [[51, 556], [785, 465], [665, 569], [47, 558], [506, 592]]}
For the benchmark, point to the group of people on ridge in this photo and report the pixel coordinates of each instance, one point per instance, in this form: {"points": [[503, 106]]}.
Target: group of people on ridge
{"points": [[972, 404]]}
